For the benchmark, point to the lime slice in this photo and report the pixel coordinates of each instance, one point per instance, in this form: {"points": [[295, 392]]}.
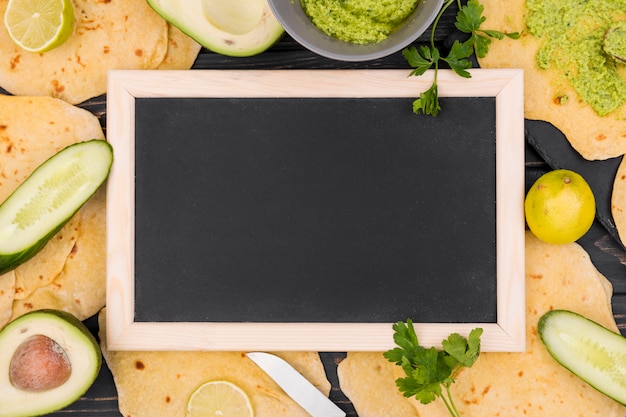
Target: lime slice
{"points": [[220, 399], [39, 25]]}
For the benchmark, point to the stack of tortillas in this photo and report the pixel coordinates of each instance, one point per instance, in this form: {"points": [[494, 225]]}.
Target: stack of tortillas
{"points": [[506, 384], [69, 273], [593, 136], [107, 35]]}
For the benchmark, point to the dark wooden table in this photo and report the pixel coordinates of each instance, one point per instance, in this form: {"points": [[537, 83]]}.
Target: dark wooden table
{"points": [[606, 253]]}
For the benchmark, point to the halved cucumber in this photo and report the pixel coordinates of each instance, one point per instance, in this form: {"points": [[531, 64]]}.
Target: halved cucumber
{"points": [[589, 350], [49, 197]]}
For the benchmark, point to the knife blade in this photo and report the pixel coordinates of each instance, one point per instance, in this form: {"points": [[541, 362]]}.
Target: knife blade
{"points": [[296, 386]]}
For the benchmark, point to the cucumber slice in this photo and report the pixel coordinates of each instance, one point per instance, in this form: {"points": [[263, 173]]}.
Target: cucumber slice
{"points": [[590, 351], [49, 197]]}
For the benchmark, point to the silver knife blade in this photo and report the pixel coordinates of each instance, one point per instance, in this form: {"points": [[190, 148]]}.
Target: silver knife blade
{"points": [[296, 386]]}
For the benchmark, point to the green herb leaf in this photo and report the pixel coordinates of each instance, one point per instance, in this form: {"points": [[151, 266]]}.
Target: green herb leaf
{"points": [[431, 372], [470, 17], [494, 34], [457, 58], [465, 351], [428, 103], [500, 35], [481, 45], [421, 59]]}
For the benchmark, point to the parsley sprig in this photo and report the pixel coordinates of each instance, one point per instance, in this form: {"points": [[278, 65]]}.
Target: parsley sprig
{"points": [[469, 18], [430, 372]]}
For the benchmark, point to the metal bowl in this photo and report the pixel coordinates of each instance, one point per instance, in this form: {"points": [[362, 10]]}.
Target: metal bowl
{"points": [[298, 25]]}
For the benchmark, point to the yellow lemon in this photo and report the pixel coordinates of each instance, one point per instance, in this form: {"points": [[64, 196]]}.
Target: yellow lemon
{"points": [[39, 25], [560, 207], [219, 398]]}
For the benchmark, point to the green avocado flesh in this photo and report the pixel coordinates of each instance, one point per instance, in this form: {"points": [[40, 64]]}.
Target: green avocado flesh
{"points": [[194, 18], [590, 351], [49, 197], [71, 339]]}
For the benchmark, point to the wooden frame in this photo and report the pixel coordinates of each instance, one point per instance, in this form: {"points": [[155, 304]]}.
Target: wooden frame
{"points": [[507, 334]]}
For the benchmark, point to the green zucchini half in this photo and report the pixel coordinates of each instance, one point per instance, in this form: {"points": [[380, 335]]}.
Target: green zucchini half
{"points": [[49, 197], [590, 351]]}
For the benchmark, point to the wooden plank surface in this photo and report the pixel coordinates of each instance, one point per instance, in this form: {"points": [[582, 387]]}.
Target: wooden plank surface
{"points": [[607, 255]]}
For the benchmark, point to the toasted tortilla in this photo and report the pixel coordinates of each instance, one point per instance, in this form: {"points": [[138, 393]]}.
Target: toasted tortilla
{"points": [[593, 136], [618, 201], [155, 384], [121, 34], [48, 263], [506, 384], [182, 50], [7, 295], [69, 273]]}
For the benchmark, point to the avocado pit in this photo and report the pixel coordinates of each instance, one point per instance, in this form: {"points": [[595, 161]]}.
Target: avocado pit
{"points": [[39, 364]]}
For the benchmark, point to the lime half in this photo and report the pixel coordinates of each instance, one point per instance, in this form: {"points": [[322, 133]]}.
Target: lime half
{"points": [[219, 398], [39, 25]]}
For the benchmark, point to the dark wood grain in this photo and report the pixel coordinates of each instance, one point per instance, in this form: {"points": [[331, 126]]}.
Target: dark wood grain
{"points": [[607, 255]]}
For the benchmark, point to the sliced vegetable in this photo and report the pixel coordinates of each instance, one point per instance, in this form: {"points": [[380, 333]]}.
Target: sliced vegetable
{"points": [[49, 360], [49, 197], [590, 351], [227, 27]]}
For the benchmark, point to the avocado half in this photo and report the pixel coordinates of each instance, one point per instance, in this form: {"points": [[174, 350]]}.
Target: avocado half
{"points": [[77, 346], [193, 18]]}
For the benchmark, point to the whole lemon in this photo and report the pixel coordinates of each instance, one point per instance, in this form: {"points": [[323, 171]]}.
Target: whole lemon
{"points": [[560, 207]]}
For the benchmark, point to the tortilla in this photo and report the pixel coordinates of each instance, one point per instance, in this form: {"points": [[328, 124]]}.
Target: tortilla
{"points": [[182, 50], [121, 34], [618, 201], [48, 263], [155, 384], [506, 384], [69, 273], [7, 295], [594, 137]]}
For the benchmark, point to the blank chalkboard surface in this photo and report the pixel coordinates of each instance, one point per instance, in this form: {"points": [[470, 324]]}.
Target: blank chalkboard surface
{"points": [[313, 209]]}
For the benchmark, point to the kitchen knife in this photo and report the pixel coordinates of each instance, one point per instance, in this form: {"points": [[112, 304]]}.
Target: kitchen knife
{"points": [[296, 386]]}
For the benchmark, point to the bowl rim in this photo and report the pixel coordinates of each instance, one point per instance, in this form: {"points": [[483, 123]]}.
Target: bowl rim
{"points": [[369, 53]]}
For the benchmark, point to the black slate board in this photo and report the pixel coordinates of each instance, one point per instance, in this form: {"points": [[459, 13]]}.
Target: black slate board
{"points": [[552, 145], [314, 210]]}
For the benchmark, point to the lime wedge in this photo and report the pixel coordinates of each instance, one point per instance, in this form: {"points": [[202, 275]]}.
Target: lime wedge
{"points": [[39, 25], [219, 398]]}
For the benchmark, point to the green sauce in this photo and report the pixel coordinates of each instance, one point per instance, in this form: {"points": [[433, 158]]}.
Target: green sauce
{"points": [[358, 21], [573, 38]]}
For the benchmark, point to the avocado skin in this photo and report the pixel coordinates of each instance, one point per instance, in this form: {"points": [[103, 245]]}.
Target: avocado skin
{"points": [[68, 320]]}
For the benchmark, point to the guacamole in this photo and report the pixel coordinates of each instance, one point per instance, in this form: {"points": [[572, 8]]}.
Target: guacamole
{"points": [[358, 21], [573, 42]]}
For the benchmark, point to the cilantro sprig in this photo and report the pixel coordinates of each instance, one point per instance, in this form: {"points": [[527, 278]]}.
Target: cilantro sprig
{"points": [[430, 373], [469, 19]]}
